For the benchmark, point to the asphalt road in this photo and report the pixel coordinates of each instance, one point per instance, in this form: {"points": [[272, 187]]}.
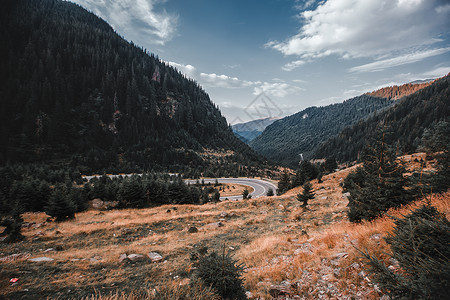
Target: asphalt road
{"points": [[261, 187]]}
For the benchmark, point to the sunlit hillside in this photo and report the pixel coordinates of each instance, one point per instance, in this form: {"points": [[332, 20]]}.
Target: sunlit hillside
{"points": [[287, 250]]}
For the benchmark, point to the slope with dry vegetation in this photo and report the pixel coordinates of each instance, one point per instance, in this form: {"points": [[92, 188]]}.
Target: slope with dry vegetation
{"points": [[288, 250]]}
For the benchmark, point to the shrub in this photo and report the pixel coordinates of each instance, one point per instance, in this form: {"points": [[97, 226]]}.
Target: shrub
{"points": [[245, 194], [420, 244], [223, 274]]}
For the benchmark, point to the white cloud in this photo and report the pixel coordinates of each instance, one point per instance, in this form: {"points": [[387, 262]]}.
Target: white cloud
{"points": [[223, 81], [293, 65], [397, 61], [369, 28], [137, 20], [277, 89], [188, 70]]}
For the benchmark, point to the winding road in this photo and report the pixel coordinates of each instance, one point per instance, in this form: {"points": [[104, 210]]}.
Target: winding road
{"points": [[261, 187]]}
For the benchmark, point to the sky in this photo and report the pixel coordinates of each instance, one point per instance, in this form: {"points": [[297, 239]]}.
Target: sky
{"points": [[273, 58]]}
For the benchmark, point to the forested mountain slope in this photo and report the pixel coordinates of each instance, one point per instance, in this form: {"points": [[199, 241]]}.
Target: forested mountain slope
{"points": [[301, 133], [408, 120], [73, 91]]}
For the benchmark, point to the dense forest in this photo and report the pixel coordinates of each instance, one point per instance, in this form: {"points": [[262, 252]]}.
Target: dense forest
{"points": [[301, 133], [409, 118], [75, 93]]}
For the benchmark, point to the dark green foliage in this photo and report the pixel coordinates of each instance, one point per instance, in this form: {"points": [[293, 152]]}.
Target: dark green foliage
{"points": [[74, 92], [409, 118], [216, 196], [420, 243], [306, 195], [284, 140], [270, 193], [245, 194], [60, 203], [330, 165], [307, 171], [437, 138], [13, 224], [379, 184], [284, 184], [223, 274], [131, 192]]}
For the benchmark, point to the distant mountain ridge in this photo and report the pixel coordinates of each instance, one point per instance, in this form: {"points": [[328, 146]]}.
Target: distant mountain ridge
{"points": [[408, 119], [304, 132], [396, 92], [250, 130], [287, 139], [75, 92]]}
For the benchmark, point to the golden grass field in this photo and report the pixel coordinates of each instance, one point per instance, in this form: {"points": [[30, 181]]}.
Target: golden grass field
{"points": [[312, 250]]}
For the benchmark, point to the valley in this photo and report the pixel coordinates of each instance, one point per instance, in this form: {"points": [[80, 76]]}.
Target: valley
{"points": [[121, 176]]}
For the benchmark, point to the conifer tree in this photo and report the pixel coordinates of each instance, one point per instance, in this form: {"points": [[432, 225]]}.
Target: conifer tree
{"points": [[420, 243], [379, 184], [60, 205], [306, 195], [284, 183]]}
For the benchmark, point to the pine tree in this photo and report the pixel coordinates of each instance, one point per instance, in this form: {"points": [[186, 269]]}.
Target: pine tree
{"points": [[379, 184], [420, 243], [306, 195], [222, 273], [245, 194], [284, 184], [60, 204]]}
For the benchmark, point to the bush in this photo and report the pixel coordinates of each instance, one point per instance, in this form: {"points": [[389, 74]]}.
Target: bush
{"points": [[270, 193], [223, 274], [420, 243]]}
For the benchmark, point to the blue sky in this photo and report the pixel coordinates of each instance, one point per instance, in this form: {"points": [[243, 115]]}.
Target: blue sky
{"points": [[298, 53]]}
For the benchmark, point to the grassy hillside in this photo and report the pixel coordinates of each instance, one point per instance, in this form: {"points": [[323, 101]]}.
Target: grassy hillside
{"points": [[286, 249]]}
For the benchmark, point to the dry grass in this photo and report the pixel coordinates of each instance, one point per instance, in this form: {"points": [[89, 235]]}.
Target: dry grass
{"points": [[234, 189], [274, 237]]}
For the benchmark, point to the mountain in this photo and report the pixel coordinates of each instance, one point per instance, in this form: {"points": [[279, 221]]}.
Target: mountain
{"points": [[301, 133], [248, 131], [396, 92], [74, 92], [408, 119]]}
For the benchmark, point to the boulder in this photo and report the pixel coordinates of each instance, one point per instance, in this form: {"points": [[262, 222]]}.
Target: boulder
{"points": [[155, 256], [135, 257], [123, 257]]}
